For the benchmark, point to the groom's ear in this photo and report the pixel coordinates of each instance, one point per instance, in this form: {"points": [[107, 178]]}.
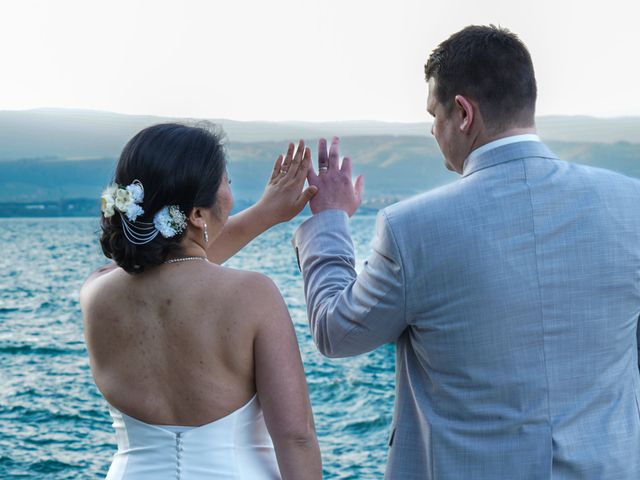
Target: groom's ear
{"points": [[467, 112]]}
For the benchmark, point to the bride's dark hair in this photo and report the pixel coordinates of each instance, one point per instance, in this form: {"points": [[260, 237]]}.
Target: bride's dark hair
{"points": [[177, 165]]}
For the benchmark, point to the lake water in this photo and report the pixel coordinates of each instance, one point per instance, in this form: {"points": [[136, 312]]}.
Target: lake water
{"points": [[53, 422]]}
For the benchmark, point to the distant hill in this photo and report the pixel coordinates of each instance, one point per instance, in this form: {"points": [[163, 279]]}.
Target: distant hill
{"points": [[85, 134], [394, 167], [60, 160]]}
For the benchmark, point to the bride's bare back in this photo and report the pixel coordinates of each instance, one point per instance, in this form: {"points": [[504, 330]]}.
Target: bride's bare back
{"points": [[174, 345]]}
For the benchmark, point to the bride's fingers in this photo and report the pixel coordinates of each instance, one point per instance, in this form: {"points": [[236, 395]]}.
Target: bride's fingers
{"points": [[297, 158], [306, 196], [287, 159], [276, 168], [304, 165]]}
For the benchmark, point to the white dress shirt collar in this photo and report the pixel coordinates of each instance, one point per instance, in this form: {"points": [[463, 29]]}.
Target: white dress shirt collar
{"points": [[528, 137]]}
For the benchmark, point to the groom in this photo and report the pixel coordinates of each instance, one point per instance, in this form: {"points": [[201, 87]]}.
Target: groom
{"points": [[512, 294]]}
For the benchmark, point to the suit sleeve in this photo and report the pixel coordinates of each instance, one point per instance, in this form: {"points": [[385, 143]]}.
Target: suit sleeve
{"points": [[350, 313]]}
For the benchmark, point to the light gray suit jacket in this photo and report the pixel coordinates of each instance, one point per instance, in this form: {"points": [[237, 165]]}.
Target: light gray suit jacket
{"points": [[513, 296]]}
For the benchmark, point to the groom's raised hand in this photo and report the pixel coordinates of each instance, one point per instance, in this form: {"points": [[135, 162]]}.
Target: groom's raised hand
{"points": [[335, 187]]}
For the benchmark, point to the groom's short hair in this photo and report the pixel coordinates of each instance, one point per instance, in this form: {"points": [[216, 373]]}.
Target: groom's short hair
{"points": [[490, 65]]}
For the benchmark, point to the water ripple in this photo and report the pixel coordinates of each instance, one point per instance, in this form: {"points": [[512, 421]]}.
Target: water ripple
{"points": [[30, 349]]}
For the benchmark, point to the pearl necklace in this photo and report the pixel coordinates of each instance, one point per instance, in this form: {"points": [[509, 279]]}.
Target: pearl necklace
{"points": [[185, 259]]}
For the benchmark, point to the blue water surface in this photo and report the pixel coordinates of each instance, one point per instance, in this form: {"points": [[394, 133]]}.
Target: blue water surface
{"points": [[53, 422]]}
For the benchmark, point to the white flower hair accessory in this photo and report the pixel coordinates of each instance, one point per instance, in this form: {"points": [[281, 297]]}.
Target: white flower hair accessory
{"points": [[168, 222], [126, 200]]}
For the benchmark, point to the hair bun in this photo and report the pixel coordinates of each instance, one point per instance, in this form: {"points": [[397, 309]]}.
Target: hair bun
{"points": [[181, 167]]}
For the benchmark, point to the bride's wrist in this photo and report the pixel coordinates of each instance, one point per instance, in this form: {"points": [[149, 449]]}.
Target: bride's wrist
{"points": [[264, 216]]}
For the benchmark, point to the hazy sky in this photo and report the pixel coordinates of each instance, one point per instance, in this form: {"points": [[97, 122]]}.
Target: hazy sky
{"points": [[300, 59]]}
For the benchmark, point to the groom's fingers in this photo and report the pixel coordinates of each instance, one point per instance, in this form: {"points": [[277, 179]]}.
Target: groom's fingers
{"points": [[334, 153], [276, 167], [359, 188], [323, 158], [346, 166], [312, 176]]}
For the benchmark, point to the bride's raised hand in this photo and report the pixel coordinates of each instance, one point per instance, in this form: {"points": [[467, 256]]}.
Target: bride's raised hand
{"points": [[285, 196]]}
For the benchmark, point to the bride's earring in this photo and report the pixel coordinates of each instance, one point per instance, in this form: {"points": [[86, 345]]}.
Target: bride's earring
{"points": [[206, 235]]}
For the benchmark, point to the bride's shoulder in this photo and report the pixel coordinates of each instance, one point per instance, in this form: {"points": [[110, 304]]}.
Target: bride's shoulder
{"points": [[98, 280], [249, 288]]}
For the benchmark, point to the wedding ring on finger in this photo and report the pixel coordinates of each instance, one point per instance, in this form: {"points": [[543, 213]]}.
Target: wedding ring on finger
{"points": [[323, 169], [283, 171]]}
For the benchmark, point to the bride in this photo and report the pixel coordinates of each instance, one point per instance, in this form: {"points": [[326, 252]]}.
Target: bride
{"points": [[199, 363]]}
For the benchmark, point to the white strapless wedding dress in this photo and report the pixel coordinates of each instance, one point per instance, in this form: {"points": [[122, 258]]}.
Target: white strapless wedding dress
{"points": [[235, 447]]}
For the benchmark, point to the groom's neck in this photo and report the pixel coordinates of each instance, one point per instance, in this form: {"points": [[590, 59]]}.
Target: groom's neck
{"points": [[488, 137]]}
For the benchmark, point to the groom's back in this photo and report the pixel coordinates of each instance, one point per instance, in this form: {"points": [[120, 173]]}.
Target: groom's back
{"points": [[523, 303]]}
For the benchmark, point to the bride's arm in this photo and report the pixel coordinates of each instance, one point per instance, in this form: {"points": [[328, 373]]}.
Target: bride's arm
{"points": [[282, 386], [282, 200]]}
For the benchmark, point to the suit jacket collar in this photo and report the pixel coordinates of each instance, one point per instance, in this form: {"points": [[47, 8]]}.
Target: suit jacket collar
{"points": [[506, 153]]}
